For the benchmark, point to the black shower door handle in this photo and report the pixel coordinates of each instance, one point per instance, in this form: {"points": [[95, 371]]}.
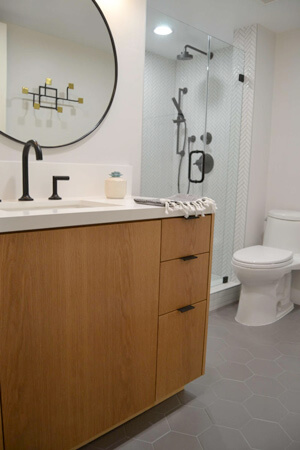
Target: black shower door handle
{"points": [[190, 166]]}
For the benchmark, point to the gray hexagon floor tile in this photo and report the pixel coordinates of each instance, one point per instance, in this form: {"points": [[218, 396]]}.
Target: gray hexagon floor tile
{"points": [[221, 438], [147, 427], [132, 444], [264, 435], [177, 441], [235, 371], [237, 340], [233, 390], [294, 446], [228, 414], [264, 351], [265, 408], [291, 400], [239, 355], [264, 367], [215, 344], [214, 358], [189, 420], [211, 376], [289, 348], [288, 335], [291, 424], [217, 331], [289, 363], [197, 395], [290, 380], [265, 386]]}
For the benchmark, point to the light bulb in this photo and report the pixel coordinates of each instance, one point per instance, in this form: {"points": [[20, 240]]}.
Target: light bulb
{"points": [[163, 30]]}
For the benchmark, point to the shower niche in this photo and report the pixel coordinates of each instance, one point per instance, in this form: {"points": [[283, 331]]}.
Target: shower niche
{"points": [[191, 124]]}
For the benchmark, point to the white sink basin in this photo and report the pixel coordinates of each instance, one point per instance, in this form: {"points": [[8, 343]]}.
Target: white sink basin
{"points": [[37, 205]]}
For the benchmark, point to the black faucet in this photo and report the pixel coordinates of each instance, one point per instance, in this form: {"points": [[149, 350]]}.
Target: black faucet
{"points": [[55, 179], [39, 156]]}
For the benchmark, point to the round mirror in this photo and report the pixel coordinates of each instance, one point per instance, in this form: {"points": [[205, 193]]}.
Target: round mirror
{"points": [[58, 70]]}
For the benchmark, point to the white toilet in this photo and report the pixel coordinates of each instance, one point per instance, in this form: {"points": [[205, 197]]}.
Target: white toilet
{"points": [[269, 287]]}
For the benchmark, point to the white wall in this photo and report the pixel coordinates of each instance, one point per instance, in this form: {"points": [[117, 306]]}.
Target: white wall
{"points": [[118, 140], [284, 164], [261, 133], [3, 74]]}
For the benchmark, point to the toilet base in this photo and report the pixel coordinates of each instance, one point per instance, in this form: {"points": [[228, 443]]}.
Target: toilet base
{"points": [[279, 316], [265, 304]]}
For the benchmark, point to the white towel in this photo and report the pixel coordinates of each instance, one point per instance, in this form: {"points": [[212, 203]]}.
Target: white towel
{"points": [[189, 204]]}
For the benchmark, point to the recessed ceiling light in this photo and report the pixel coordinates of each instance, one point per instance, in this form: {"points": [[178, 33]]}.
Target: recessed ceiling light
{"points": [[163, 30]]}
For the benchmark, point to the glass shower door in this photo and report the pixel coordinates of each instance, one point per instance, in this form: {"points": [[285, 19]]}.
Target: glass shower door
{"points": [[224, 109], [192, 103]]}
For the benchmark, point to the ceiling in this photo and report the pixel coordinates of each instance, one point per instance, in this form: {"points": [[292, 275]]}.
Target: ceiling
{"points": [[171, 45], [220, 18]]}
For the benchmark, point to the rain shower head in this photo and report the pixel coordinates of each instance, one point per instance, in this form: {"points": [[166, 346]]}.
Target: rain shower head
{"points": [[186, 56]]}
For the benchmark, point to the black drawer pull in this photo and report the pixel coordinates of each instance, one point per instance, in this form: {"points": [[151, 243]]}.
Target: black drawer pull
{"points": [[188, 258], [186, 308], [191, 217]]}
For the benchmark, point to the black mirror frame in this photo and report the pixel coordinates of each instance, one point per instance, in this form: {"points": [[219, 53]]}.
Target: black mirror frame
{"points": [[112, 95]]}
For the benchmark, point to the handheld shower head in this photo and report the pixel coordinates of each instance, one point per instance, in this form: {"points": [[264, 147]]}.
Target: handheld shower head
{"points": [[177, 106]]}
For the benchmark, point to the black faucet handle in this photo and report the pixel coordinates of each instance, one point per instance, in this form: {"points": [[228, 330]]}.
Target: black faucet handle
{"points": [[55, 179]]}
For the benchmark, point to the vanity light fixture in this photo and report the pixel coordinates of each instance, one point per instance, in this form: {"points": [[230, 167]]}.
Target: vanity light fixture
{"points": [[44, 92], [163, 30]]}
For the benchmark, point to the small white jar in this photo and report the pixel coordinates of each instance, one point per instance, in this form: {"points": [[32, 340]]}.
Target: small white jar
{"points": [[115, 186]]}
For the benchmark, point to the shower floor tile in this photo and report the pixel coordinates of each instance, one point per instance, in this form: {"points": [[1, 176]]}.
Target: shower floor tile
{"points": [[250, 401]]}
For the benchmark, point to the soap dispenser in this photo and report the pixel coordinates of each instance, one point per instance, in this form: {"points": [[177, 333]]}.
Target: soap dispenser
{"points": [[115, 186]]}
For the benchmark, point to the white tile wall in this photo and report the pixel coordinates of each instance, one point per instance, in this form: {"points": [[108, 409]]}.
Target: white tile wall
{"points": [[245, 38], [163, 78]]}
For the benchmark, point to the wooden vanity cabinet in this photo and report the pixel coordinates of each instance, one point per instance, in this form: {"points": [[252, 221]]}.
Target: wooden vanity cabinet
{"points": [[78, 331], [180, 348], [88, 338]]}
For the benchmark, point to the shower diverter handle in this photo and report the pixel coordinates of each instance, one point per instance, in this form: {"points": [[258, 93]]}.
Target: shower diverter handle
{"points": [[190, 166]]}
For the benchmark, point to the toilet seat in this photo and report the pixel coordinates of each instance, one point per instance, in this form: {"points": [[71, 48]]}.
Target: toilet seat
{"points": [[262, 257]]}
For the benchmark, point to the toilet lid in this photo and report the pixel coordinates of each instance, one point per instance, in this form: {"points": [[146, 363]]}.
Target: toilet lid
{"points": [[262, 256]]}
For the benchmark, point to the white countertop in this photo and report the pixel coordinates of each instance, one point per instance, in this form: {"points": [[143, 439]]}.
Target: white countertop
{"points": [[125, 210]]}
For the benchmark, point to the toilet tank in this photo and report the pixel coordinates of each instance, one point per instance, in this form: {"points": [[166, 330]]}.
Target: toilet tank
{"points": [[283, 230]]}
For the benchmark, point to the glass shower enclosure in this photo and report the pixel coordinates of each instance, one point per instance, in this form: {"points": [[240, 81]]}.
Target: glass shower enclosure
{"points": [[193, 90]]}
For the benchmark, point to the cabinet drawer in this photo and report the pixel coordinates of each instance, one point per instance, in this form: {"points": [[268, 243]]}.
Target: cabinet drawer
{"points": [[180, 348], [181, 237], [183, 282]]}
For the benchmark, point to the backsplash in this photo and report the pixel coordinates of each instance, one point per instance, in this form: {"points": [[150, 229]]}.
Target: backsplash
{"points": [[86, 180]]}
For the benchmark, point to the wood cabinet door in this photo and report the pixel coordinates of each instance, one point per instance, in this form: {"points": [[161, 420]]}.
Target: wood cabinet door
{"points": [[182, 237], [183, 282], [78, 331], [181, 337]]}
